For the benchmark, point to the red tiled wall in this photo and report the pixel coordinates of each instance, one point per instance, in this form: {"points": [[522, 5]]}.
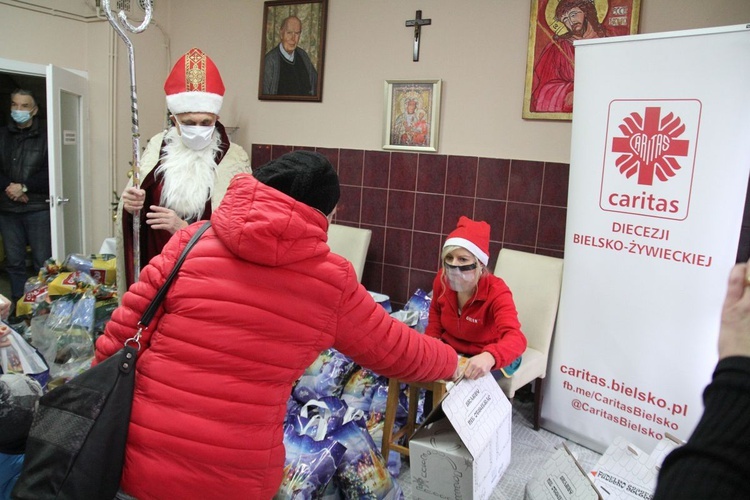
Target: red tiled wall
{"points": [[411, 201]]}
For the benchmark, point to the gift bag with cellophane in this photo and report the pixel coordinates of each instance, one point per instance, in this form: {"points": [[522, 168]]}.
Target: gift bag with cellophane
{"points": [[362, 472], [325, 377], [359, 388], [309, 465], [376, 423]]}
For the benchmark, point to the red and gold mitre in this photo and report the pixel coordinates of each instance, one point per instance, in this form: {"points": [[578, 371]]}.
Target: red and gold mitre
{"points": [[194, 85]]}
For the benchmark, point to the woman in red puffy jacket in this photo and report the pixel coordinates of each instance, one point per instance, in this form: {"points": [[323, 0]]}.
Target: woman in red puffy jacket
{"points": [[257, 299]]}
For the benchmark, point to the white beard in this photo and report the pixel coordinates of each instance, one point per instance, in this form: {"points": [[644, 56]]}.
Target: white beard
{"points": [[187, 175]]}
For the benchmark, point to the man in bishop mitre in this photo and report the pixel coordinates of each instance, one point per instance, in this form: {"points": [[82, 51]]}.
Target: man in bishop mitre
{"points": [[185, 170]]}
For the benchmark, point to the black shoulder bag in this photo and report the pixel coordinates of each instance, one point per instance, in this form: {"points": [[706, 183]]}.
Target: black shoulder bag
{"points": [[76, 445]]}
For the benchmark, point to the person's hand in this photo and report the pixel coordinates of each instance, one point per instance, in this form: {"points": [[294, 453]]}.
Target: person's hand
{"points": [[5, 305], [459, 370], [132, 199], [164, 218], [15, 191], [4, 336], [734, 334], [479, 365]]}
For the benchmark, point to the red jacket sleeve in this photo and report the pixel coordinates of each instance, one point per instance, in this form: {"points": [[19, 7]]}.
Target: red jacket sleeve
{"points": [[373, 339], [124, 321], [511, 342], [434, 325]]}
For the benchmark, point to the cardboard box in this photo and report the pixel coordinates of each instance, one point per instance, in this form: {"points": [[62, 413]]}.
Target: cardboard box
{"points": [[463, 447], [626, 472], [561, 478]]}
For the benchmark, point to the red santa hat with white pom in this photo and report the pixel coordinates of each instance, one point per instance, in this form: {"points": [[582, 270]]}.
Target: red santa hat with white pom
{"points": [[194, 85], [472, 235]]}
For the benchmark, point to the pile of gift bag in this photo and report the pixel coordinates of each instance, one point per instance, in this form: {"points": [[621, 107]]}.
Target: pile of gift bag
{"points": [[333, 429], [63, 310]]}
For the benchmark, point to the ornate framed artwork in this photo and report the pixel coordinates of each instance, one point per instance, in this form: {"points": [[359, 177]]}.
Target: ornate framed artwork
{"points": [[293, 50], [550, 63], [412, 115]]}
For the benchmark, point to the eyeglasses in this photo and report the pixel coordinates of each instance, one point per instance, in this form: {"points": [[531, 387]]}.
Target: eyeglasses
{"points": [[467, 267]]}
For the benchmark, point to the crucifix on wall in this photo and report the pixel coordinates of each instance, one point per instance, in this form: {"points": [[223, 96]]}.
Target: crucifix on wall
{"points": [[418, 22]]}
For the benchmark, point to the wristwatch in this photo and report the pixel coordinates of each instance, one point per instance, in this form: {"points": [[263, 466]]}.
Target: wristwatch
{"points": [[24, 189]]}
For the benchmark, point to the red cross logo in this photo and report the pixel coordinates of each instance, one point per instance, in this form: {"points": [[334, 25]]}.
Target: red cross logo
{"points": [[650, 146]]}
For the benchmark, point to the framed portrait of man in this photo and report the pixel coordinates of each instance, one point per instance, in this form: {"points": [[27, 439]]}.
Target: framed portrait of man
{"points": [[550, 64], [293, 50], [412, 115]]}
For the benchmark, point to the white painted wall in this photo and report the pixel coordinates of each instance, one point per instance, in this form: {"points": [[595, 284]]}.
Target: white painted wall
{"points": [[478, 48]]}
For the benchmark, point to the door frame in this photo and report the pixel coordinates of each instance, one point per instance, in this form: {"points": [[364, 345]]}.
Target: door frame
{"points": [[59, 80], [54, 145]]}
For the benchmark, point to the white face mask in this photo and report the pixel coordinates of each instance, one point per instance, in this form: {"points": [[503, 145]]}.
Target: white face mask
{"points": [[461, 279], [196, 137]]}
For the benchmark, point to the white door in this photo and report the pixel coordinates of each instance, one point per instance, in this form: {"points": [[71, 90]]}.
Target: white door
{"points": [[67, 101]]}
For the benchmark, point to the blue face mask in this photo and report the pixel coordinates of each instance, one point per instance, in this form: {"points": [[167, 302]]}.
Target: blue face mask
{"points": [[20, 116]]}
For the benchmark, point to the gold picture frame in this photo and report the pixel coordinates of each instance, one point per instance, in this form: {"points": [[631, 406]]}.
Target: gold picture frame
{"points": [[299, 26], [553, 26], [412, 115]]}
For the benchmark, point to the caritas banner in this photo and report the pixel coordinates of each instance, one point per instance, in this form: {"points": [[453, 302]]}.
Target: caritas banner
{"points": [[659, 168]]}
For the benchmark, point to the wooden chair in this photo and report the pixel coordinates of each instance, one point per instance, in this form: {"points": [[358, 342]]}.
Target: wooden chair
{"points": [[535, 281], [351, 243], [391, 439]]}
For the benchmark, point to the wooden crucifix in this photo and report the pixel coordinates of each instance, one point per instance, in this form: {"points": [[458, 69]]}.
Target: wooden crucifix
{"points": [[417, 23]]}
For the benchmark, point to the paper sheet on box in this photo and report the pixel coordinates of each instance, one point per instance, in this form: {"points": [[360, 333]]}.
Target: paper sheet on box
{"points": [[623, 472], [467, 402]]}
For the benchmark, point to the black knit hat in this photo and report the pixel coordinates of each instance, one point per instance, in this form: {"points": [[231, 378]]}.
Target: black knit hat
{"points": [[306, 176]]}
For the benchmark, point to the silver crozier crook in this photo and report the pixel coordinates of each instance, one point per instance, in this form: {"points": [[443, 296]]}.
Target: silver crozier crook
{"points": [[118, 24]]}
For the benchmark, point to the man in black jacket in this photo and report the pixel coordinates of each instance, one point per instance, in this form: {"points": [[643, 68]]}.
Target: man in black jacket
{"points": [[714, 463], [24, 177]]}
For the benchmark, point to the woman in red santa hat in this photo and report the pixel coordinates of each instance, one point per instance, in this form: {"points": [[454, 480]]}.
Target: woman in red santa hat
{"points": [[185, 170], [472, 310]]}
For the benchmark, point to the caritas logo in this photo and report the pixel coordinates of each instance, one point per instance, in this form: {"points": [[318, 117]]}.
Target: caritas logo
{"points": [[650, 157]]}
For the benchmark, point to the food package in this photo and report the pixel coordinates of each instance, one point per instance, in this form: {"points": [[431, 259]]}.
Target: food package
{"points": [[419, 303], [376, 423], [20, 357], [309, 465], [362, 472], [359, 388], [30, 300], [101, 267], [317, 418], [325, 377], [68, 282], [65, 339], [383, 300]]}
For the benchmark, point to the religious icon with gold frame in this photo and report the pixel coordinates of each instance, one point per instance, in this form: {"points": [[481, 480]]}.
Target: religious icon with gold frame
{"points": [[550, 64], [412, 115], [292, 50]]}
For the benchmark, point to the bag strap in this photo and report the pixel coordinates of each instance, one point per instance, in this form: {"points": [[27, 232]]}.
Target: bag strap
{"points": [[148, 314]]}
